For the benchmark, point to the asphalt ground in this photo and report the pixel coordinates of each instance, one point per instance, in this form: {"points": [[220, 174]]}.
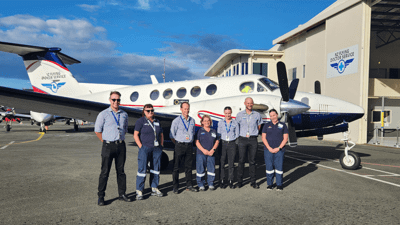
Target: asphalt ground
{"points": [[52, 179]]}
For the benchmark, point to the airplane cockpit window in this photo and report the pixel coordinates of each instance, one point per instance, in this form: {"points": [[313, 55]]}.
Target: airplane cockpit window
{"points": [[154, 95], [247, 87], [167, 93], [195, 91], [211, 89], [181, 92], [134, 96], [269, 83], [261, 88]]}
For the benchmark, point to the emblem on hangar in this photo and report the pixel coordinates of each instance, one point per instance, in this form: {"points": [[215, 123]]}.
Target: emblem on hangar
{"points": [[54, 86], [341, 65]]}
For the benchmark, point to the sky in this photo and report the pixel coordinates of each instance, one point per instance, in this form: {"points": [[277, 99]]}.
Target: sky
{"points": [[124, 42]]}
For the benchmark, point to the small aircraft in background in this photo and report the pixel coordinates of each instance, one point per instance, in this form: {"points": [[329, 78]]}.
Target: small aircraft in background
{"points": [[59, 93]]}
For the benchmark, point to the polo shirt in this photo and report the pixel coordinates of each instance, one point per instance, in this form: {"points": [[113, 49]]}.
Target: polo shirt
{"points": [[146, 132], [275, 133], [206, 139]]}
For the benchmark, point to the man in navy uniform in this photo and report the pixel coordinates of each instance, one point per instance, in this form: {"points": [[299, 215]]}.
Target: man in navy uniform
{"points": [[182, 135], [110, 127], [249, 124]]}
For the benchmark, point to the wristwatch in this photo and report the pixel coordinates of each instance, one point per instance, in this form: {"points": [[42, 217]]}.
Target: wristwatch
{"points": [[280, 148]]}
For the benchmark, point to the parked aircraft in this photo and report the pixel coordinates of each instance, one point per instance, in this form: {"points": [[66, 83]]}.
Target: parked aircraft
{"points": [[58, 92]]}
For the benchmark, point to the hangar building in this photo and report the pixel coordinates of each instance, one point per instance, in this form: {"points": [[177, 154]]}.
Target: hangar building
{"points": [[352, 48]]}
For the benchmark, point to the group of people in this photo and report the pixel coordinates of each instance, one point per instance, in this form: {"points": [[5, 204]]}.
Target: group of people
{"points": [[240, 133]]}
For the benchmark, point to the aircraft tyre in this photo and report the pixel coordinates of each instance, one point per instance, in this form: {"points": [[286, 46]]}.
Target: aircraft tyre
{"points": [[76, 128], [8, 127], [351, 162], [42, 130]]}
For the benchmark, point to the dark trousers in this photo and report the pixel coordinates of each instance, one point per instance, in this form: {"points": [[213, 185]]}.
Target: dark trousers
{"points": [[182, 153], [248, 145], [228, 150], [108, 153]]}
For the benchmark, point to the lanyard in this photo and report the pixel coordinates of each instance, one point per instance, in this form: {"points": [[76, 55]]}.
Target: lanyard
{"points": [[115, 118], [154, 128], [186, 127], [226, 127], [248, 122]]}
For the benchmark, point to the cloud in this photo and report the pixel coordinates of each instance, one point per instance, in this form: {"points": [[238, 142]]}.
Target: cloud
{"points": [[207, 4], [143, 5], [89, 8]]}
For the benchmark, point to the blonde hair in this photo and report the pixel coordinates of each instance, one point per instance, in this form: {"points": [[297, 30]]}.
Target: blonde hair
{"points": [[202, 119]]}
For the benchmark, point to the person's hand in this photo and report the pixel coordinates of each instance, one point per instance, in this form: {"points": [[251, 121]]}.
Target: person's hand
{"points": [[271, 150], [276, 150], [211, 152]]}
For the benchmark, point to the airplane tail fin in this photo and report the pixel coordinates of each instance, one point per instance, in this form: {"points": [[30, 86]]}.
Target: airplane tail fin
{"points": [[46, 68]]}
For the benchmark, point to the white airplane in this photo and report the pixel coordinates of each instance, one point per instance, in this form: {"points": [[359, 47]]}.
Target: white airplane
{"points": [[59, 93]]}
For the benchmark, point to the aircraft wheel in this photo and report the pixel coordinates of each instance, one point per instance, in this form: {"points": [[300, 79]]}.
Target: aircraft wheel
{"points": [[76, 128], [8, 127], [351, 162], [43, 130], [164, 161]]}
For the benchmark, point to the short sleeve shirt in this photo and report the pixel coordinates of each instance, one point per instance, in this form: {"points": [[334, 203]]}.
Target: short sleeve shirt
{"points": [[228, 131], [181, 127], [206, 139], [112, 125], [146, 132], [275, 133], [248, 123]]}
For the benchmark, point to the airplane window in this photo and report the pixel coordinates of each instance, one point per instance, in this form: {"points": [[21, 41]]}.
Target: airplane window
{"points": [[269, 83], [181, 92], [261, 88], [154, 95], [195, 91], [247, 87], [211, 89], [167, 93], [134, 96]]}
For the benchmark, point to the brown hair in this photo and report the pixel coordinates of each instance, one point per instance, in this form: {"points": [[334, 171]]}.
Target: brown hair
{"points": [[147, 106], [202, 119], [115, 92], [185, 103]]}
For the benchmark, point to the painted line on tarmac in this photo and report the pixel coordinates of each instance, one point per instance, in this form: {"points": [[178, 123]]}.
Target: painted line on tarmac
{"points": [[5, 146], [375, 164], [339, 170]]}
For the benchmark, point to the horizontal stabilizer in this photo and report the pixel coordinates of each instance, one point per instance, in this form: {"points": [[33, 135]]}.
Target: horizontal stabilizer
{"points": [[22, 50]]}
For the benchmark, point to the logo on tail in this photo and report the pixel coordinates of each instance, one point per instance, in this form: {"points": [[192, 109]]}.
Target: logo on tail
{"points": [[54, 86]]}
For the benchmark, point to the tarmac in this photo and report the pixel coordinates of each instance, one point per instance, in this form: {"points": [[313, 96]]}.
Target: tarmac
{"points": [[52, 178]]}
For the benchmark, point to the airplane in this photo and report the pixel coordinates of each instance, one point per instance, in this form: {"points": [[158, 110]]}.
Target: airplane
{"points": [[58, 92], [9, 115]]}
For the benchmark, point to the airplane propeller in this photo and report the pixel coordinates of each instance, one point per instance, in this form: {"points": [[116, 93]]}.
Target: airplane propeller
{"points": [[289, 107]]}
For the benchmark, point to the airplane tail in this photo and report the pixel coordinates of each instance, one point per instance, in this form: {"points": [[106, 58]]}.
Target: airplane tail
{"points": [[46, 68]]}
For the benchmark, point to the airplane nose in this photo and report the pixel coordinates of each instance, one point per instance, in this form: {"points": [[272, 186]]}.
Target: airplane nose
{"points": [[294, 107]]}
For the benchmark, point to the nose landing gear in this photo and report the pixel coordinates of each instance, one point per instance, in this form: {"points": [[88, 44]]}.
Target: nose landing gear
{"points": [[349, 159]]}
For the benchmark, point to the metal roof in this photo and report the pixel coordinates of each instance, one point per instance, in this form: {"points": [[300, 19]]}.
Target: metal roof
{"points": [[385, 21]]}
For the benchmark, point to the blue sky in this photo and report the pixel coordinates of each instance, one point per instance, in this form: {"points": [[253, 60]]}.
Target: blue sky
{"points": [[123, 42]]}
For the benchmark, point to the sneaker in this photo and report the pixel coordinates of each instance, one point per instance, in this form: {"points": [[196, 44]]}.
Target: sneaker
{"points": [[139, 195], [279, 188], [269, 187], [190, 188], [100, 202], [212, 188], [202, 188], [156, 192]]}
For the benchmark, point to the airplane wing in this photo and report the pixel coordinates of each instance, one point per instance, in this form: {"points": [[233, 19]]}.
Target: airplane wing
{"points": [[67, 107]]}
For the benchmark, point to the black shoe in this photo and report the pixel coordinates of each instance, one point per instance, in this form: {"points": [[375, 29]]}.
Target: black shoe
{"points": [[100, 202], [175, 191], [223, 184], [255, 185], [239, 184], [190, 188], [269, 187], [231, 186], [279, 188], [124, 198]]}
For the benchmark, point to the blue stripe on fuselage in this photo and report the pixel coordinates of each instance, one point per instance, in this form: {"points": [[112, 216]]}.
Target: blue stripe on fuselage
{"points": [[313, 120]]}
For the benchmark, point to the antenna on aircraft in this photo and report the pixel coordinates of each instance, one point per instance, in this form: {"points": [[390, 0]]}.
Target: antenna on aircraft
{"points": [[163, 75]]}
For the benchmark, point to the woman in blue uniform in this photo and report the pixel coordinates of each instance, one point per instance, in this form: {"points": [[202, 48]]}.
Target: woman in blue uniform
{"points": [[274, 136], [149, 137], [207, 142]]}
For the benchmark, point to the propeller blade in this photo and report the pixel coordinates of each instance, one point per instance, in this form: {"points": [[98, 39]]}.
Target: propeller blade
{"points": [[292, 133], [283, 81], [293, 88], [317, 87]]}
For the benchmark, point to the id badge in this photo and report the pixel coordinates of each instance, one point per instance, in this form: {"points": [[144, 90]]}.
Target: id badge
{"points": [[187, 137], [227, 138], [247, 134], [155, 143]]}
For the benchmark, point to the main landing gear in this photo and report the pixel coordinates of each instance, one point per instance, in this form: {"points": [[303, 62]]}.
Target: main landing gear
{"points": [[349, 159], [42, 128]]}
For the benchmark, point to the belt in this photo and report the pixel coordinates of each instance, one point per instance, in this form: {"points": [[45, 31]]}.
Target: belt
{"points": [[184, 143], [114, 142], [227, 142], [248, 137]]}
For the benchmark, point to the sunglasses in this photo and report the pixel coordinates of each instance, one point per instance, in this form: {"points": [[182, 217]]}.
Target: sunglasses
{"points": [[118, 100], [151, 110]]}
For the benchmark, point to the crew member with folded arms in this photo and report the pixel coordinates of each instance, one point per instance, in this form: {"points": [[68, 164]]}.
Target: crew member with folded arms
{"points": [[110, 127], [149, 138]]}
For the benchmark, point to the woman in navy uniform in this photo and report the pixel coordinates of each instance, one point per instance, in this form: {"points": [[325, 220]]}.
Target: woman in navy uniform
{"points": [[149, 137], [274, 136], [207, 142]]}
